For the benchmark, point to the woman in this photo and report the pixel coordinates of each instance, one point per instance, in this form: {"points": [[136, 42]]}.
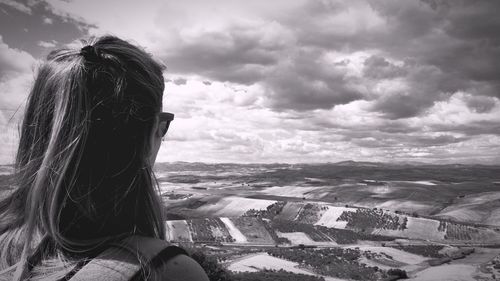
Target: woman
{"points": [[89, 138]]}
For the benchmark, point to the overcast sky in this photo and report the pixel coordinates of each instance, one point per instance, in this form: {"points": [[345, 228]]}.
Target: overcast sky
{"points": [[290, 81]]}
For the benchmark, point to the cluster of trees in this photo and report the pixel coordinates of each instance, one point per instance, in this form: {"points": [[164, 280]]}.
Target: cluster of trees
{"points": [[321, 233], [336, 262], [372, 218], [431, 251], [201, 230], [442, 226], [459, 253], [309, 213], [345, 236], [269, 213], [216, 272], [274, 275], [456, 231], [396, 274]]}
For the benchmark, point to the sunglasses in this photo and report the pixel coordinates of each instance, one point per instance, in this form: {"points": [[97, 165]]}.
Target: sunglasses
{"points": [[165, 117]]}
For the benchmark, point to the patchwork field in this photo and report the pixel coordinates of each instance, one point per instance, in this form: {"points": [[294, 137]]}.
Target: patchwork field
{"points": [[234, 206], [417, 228], [259, 261], [340, 221], [234, 231], [178, 231], [331, 217], [479, 208]]}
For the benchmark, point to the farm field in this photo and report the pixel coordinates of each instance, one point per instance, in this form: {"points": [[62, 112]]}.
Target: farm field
{"points": [[481, 208], [452, 272], [178, 231], [397, 217], [259, 261], [234, 206], [417, 228], [234, 231], [331, 217], [254, 230], [370, 221]]}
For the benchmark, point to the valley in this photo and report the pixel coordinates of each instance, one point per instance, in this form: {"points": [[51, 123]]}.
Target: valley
{"points": [[343, 221]]}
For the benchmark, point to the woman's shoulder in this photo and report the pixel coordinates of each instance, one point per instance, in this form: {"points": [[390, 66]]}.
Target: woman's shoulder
{"points": [[170, 262], [182, 268], [142, 258]]}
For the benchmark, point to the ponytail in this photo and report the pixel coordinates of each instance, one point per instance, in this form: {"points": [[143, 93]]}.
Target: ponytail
{"points": [[82, 175]]}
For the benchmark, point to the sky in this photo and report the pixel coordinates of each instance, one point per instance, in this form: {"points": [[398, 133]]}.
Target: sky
{"points": [[299, 81]]}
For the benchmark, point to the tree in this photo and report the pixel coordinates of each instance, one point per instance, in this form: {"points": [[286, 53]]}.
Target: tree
{"points": [[397, 272], [214, 269]]}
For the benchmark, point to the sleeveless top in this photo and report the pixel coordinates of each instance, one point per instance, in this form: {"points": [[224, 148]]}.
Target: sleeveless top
{"points": [[127, 260]]}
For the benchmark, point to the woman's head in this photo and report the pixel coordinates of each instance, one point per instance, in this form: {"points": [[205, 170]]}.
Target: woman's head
{"points": [[83, 163]]}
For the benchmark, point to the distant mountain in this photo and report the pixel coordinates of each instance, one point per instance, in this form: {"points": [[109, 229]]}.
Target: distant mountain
{"points": [[359, 164]]}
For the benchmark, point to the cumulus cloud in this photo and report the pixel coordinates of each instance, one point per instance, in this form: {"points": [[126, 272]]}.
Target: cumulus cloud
{"points": [[15, 76], [423, 45], [14, 61], [315, 80], [18, 6], [242, 53]]}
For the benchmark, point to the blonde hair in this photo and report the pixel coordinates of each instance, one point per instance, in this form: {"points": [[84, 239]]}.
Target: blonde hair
{"points": [[82, 171]]}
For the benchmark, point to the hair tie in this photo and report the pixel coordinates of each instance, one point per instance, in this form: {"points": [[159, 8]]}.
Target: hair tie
{"points": [[90, 53]]}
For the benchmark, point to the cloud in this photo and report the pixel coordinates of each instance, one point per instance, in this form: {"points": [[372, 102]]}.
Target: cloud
{"points": [[9, 137], [295, 78], [46, 44], [301, 81], [47, 20], [18, 6], [413, 42], [14, 61], [480, 104], [435, 49], [241, 54], [24, 30], [15, 79], [180, 81], [464, 113], [377, 67]]}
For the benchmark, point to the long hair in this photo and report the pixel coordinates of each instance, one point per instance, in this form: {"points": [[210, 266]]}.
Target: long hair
{"points": [[82, 170]]}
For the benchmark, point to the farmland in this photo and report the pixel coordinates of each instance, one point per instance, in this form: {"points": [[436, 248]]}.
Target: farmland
{"points": [[365, 219], [340, 221], [209, 230], [335, 262]]}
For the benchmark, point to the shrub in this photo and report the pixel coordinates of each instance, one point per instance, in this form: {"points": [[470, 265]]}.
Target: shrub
{"points": [[398, 273]]}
